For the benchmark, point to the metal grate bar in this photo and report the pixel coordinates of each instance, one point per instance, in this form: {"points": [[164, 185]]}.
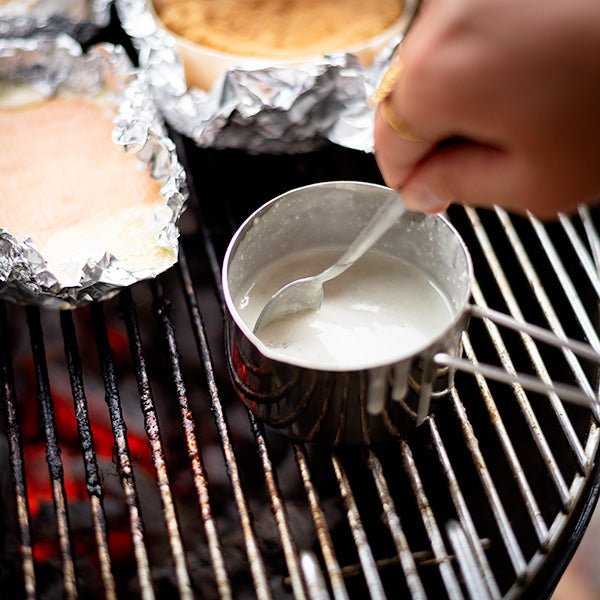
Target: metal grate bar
{"points": [[323, 535], [290, 552], [255, 558], [531, 504], [407, 562], [317, 590], [594, 242], [278, 507], [462, 510], [561, 519], [152, 428], [467, 563], [582, 253], [525, 405], [15, 449], [124, 466], [53, 454], [544, 302], [433, 532], [510, 541], [571, 293], [191, 437], [593, 439], [204, 233], [365, 554], [88, 450], [528, 342], [592, 236]]}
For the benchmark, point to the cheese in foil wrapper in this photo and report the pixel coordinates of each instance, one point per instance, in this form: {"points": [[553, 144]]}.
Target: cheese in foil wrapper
{"points": [[263, 110], [79, 18], [56, 67]]}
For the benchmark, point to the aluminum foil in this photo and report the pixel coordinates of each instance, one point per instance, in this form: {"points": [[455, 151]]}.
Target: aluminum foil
{"points": [[80, 18], [56, 65], [272, 110]]}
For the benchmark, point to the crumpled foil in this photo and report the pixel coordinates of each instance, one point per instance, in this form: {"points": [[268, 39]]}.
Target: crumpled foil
{"points": [[57, 64], [272, 110], [79, 18]]}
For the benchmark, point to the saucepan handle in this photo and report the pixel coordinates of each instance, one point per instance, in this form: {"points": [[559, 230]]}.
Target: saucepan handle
{"points": [[567, 392]]}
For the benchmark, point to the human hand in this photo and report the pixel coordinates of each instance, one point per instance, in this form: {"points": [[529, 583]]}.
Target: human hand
{"points": [[505, 98]]}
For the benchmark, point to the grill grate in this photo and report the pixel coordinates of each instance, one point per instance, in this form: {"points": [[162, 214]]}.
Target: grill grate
{"points": [[478, 502]]}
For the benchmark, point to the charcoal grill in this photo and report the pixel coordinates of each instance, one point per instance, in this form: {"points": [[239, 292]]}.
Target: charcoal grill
{"points": [[194, 498], [130, 468]]}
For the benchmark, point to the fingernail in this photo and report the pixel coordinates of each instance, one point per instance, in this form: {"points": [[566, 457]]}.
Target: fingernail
{"points": [[423, 200]]}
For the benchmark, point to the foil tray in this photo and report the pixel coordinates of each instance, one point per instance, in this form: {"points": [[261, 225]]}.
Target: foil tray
{"points": [[268, 110], [78, 18], [55, 65]]}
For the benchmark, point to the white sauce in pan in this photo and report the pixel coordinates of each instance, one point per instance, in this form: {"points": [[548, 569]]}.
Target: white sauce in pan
{"points": [[377, 312]]}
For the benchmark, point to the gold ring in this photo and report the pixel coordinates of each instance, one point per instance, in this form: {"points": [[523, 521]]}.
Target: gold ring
{"points": [[396, 123], [381, 99], [387, 82]]}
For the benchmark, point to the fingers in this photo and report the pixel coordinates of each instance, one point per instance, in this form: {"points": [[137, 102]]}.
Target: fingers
{"points": [[395, 155], [465, 172], [501, 118], [484, 176], [415, 118], [445, 163], [399, 146], [437, 98]]}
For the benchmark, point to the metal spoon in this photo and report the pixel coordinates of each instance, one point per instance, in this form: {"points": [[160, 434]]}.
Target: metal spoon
{"points": [[307, 293]]}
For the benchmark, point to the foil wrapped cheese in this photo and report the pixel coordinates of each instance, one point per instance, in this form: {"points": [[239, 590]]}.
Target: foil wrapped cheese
{"points": [[91, 191]]}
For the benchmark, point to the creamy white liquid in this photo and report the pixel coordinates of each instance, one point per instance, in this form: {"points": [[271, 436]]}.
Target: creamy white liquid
{"points": [[379, 311]]}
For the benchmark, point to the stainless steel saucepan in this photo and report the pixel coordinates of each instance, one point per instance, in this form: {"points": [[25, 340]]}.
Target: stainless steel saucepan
{"points": [[380, 400]]}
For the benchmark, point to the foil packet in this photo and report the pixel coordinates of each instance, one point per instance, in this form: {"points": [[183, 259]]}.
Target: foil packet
{"points": [[270, 110], [79, 18], [57, 65]]}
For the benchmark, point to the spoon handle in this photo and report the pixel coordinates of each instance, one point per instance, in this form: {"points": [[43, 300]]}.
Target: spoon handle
{"points": [[382, 220]]}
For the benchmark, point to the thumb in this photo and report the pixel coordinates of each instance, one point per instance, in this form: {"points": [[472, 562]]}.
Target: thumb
{"points": [[463, 172]]}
